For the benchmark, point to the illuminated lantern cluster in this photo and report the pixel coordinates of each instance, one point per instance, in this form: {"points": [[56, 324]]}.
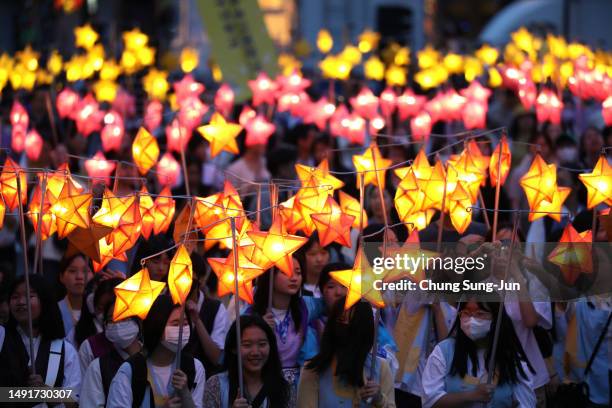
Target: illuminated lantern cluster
{"points": [[548, 107]]}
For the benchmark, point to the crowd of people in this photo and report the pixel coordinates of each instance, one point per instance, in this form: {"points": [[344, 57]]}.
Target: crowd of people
{"points": [[298, 344]]}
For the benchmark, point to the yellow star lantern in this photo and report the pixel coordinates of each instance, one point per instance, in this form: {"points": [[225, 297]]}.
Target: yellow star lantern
{"points": [[221, 135], [165, 207], [320, 174], [372, 165], [540, 182], [180, 275], [408, 196], [147, 210], [310, 199], [503, 165], [598, 183], [374, 68], [136, 295], [420, 219], [333, 225], [106, 254], [189, 59], [573, 255], [85, 36], [207, 211], [47, 224], [551, 208], [71, 210], [433, 187], [368, 40], [123, 215], [155, 84], [276, 246], [8, 184], [360, 282], [325, 42], [487, 54], [459, 203], [247, 271], [145, 151], [291, 216], [395, 75], [135, 39], [87, 240], [350, 206]]}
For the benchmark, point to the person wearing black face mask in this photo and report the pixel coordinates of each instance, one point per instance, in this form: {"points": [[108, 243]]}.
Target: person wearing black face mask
{"points": [[125, 338], [340, 373]]}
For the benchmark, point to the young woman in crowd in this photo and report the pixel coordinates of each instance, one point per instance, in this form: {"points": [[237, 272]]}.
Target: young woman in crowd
{"points": [[97, 343], [74, 275], [55, 359], [165, 385], [456, 371], [157, 266], [124, 337], [287, 316], [341, 373], [314, 258], [264, 385]]}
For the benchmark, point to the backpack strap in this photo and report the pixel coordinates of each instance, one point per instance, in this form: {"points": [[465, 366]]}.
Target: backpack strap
{"points": [[56, 353], [208, 313], [188, 367], [99, 344], [109, 364], [138, 363], [597, 345]]}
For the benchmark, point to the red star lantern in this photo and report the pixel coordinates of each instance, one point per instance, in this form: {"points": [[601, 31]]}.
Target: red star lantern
{"points": [[365, 103], [8, 184], [409, 104], [333, 225], [224, 100], [99, 168], [246, 115], [33, 145], [319, 113], [420, 126], [177, 136], [168, 170], [259, 131], [388, 101], [113, 131], [66, 103], [263, 89], [153, 115], [548, 107], [88, 116]]}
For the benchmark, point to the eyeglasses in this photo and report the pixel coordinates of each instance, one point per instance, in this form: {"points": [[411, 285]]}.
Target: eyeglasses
{"points": [[479, 314]]}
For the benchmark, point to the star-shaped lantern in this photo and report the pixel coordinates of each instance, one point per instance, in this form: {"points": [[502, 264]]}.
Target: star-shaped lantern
{"points": [[258, 131], [147, 213], [350, 206], [165, 206], [263, 89], [540, 182], [360, 282], [459, 203], [291, 216], [372, 165], [224, 100], [503, 165], [85, 36], [276, 246], [246, 270], [99, 168], [145, 151], [310, 199], [48, 223], [221, 135], [333, 225], [180, 275], [319, 174], [551, 208], [136, 295], [598, 183], [408, 195], [573, 254], [87, 241], [71, 210], [8, 184]]}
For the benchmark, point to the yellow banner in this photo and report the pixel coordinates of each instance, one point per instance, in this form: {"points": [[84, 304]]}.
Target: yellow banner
{"points": [[240, 42]]}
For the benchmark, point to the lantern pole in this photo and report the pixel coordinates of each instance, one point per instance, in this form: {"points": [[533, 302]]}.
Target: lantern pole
{"points": [[594, 223], [37, 248], [273, 203], [51, 117], [441, 221], [237, 303], [497, 189], [484, 213], [184, 164], [26, 272]]}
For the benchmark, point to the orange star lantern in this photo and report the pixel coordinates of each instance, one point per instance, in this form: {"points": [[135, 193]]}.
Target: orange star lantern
{"points": [[87, 240], [147, 210], [276, 246], [8, 184], [333, 225], [291, 216], [598, 183], [180, 275], [48, 223], [165, 206], [573, 255], [71, 210], [221, 135], [459, 202], [145, 151], [503, 165], [350, 206], [372, 165], [551, 208], [123, 215], [408, 196], [310, 199], [320, 175], [360, 282], [136, 295], [540, 182], [247, 271]]}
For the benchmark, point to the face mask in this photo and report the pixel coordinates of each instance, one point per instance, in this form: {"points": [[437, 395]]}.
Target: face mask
{"points": [[567, 154], [171, 337], [123, 333], [475, 328]]}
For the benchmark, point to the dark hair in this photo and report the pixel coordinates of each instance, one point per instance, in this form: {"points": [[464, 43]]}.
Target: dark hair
{"points": [[85, 327], [157, 319], [262, 298], [509, 355], [153, 245], [300, 254], [50, 323], [63, 266], [275, 385], [198, 264], [325, 277], [349, 344]]}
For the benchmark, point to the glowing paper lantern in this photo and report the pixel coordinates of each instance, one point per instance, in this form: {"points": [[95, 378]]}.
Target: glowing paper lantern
{"points": [[99, 168], [19, 122], [136, 295], [147, 210], [145, 151], [276, 246], [191, 112], [527, 93], [180, 275], [87, 241], [246, 115], [291, 216], [71, 210], [112, 133], [368, 40], [506, 160], [548, 107], [33, 145], [552, 208], [224, 269], [333, 225], [221, 135], [258, 131], [325, 42], [293, 83], [224, 100], [153, 115], [155, 84], [459, 203], [310, 199], [177, 136], [85, 36], [350, 206], [474, 115], [409, 104], [476, 92], [606, 110], [365, 103], [540, 182], [47, 223], [319, 113], [360, 282], [165, 207], [573, 255], [372, 165], [420, 126], [263, 89], [433, 187], [388, 101], [8, 184], [168, 170], [189, 60], [598, 183], [355, 129], [319, 175], [408, 196], [374, 68]]}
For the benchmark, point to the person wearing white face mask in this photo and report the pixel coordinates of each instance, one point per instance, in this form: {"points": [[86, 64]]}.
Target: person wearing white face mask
{"points": [[124, 335], [456, 371], [151, 378]]}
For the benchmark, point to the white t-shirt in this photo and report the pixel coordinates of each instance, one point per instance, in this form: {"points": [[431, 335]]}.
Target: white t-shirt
{"points": [[92, 388], [120, 392], [314, 288], [436, 370]]}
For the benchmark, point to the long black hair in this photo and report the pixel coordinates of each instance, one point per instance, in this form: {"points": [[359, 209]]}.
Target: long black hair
{"points": [[155, 323], [349, 343], [49, 323], [275, 385], [146, 248], [509, 355], [63, 266], [262, 298], [85, 327]]}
